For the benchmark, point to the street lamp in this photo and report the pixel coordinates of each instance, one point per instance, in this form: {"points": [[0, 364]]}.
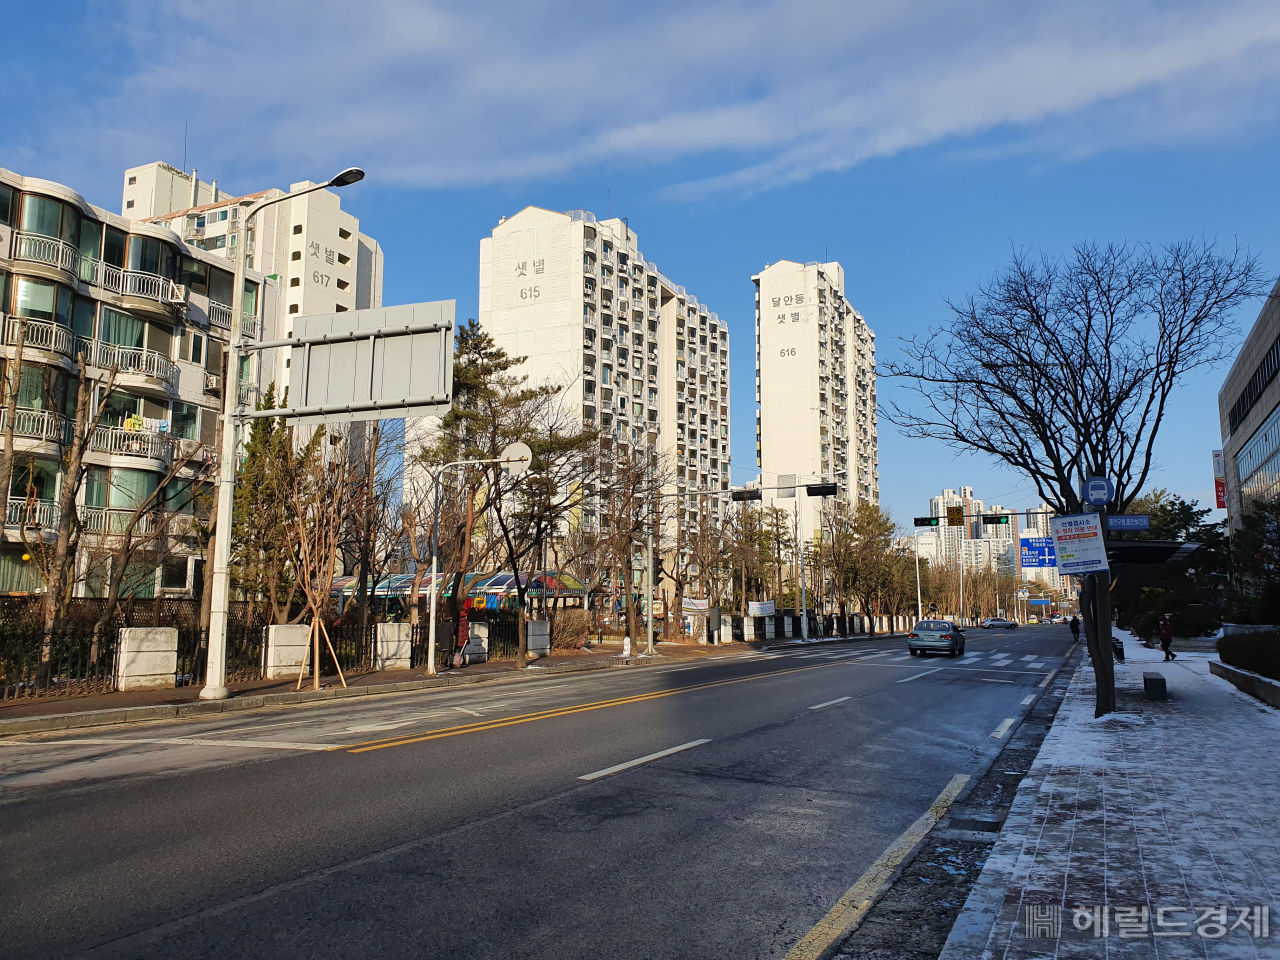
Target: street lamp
{"points": [[215, 687]]}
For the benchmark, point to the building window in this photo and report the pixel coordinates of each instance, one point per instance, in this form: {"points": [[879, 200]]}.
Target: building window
{"points": [[293, 308], [343, 259], [132, 181], [297, 229], [295, 282], [128, 204], [339, 308], [296, 255], [344, 234], [342, 284]]}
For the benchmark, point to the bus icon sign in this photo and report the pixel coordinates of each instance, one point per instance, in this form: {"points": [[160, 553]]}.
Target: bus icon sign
{"points": [[1098, 490]]}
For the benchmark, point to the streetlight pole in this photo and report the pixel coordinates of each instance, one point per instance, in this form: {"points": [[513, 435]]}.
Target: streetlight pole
{"points": [[919, 599], [215, 687]]}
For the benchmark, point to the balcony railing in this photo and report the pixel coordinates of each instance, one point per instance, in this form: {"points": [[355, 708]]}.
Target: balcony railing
{"points": [[50, 250], [112, 520], [136, 360], [42, 335], [248, 325], [220, 315], [38, 425], [131, 443], [33, 513], [131, 283]]}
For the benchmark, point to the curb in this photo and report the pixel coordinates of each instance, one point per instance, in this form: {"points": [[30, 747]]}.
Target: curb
{"points": [[1246, 681], [797, 642], [198, 708]]}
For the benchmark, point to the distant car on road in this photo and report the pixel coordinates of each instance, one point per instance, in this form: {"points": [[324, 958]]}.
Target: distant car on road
{"points": [[942, 636], [1031, 620], [992, 623]]}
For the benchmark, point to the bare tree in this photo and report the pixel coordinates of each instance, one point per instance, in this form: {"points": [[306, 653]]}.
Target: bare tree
{"points": [[1058, 365]]}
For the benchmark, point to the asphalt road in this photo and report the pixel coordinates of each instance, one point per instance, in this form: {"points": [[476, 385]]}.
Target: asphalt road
{"points": [[483, 822]]}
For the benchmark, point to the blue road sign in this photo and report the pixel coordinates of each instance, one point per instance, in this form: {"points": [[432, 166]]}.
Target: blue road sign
{"points": [[1129, 521], [1038, 552], [1040, 601], [1098, 490]]}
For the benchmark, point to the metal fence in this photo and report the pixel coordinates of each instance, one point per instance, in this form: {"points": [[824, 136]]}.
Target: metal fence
{"points": [[504, 639], [68, 665]]}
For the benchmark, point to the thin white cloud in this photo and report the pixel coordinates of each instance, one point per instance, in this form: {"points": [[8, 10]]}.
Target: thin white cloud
{"points": [[763, 93]]}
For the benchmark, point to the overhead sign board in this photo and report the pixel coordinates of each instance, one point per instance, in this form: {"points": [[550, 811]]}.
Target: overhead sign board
{"points": [[1078, 542], [1129, 521], [1039, 601], [955, 516], [1038, 552], [375, 364]]}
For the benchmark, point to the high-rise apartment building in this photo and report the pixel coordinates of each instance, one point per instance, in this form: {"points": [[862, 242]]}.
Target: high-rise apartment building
{"points": [[121, 295], [315, 248], [646, 361], [816, 388], [951, 539]]}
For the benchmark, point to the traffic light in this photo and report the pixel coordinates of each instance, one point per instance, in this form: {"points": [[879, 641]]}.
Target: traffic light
{"points": [[928, 521], [821, 489], [955, 516], [658, 571], [995, 518], [745, 495]]}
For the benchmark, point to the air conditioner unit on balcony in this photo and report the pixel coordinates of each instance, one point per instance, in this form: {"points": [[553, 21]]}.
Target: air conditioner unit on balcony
{"points": [[212, 382], [189, 449]]}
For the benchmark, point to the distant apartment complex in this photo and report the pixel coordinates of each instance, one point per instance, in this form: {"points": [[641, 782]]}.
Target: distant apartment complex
{"points": [[125, 295], [644, 360], [816, 387], [323, 263]]}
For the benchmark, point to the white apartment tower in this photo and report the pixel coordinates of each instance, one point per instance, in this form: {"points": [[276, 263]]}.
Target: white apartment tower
{"points": [[648, 363], [816, 387], [323, 263]]}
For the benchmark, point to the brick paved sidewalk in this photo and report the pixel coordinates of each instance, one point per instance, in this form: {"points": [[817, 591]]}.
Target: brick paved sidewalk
{"points": [[1131, 834]]}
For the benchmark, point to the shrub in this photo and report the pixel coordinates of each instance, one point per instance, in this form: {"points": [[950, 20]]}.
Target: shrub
{"points": [[1195, 621], [569, 631], [1256, 652]]}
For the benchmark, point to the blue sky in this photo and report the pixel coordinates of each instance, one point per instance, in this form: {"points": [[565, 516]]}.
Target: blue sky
{"points": [[916, 142]]}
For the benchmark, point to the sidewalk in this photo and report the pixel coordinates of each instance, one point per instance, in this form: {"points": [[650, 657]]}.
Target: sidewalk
{"points": [[1151, 833], [36, 715]]}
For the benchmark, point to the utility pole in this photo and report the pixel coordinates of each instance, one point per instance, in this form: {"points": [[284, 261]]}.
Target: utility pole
{"points": [[919, 599], [648, 590], [804, 618]]}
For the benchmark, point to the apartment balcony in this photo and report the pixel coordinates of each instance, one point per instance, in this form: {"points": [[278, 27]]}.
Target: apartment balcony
{"points": [[129, 360], [42, 425], [220, 317], [37, 248], [110, 520], [41, 335], [32, 513], [118, 442], [132, 283]]}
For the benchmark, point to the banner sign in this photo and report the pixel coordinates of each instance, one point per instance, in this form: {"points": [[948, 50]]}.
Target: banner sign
{"points": [[1079, 544], [692, 605], [1220, 479], [761, 608], [1038, 552], [1129, 521]]}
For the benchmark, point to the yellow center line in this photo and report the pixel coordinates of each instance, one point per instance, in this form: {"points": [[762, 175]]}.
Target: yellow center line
{"points": [[496, 723]]}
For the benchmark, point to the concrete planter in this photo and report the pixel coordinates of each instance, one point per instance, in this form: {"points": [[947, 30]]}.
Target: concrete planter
{"points": [[148, 658], [477, 648], [394, 646], [1244, 629], [286, 649], [537, 635], [1256, 685]]}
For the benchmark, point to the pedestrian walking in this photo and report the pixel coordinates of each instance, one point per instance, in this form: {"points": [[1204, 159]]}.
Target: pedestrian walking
{"points": [[1166, 638], [1075, 628]]}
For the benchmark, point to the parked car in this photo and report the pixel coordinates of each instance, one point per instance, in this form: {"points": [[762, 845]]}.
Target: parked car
{"points": [[992, 623], [941, 636]]}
